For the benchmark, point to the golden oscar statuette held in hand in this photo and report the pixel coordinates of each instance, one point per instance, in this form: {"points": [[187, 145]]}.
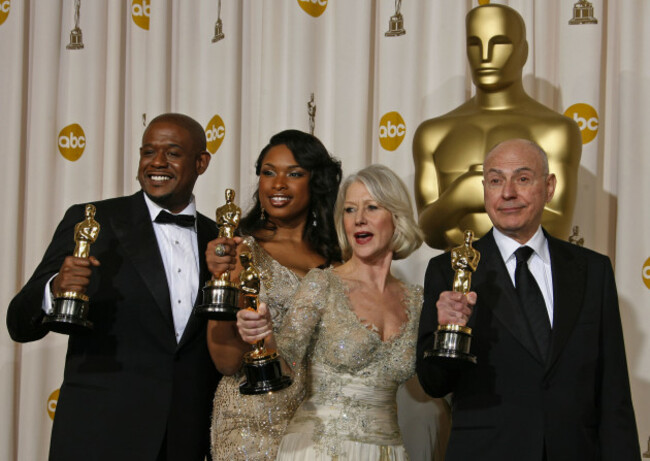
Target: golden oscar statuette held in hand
{"points": [[220, 295], [70, 309], [452, 342], [261, 366]]}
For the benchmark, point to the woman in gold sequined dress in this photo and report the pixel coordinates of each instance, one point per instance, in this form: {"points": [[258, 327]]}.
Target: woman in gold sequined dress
{"points": [[289, 230], [356, 327]]}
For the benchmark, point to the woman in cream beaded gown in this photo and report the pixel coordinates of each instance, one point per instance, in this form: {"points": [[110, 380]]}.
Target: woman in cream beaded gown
{"points": [[355, 326], [290, 229]]}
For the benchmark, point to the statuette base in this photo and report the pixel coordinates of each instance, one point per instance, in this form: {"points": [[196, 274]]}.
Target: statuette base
{"points": [[451, 346], [69, 314], [263, 373], [395, 26], [220, 301]]}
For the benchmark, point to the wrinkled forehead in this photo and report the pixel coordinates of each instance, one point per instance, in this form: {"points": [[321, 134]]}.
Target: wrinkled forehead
{"points": [[513, 156], [490, 21]]}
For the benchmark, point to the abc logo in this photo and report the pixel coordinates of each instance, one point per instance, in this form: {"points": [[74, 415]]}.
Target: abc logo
{"points": [[391, 130], [645, 273], [51, 403], [140, 12], [72, 142], [5, 6], [214, 133], [313, 7], [587, 119]]}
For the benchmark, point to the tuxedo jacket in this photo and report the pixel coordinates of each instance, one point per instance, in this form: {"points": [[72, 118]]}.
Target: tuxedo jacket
{"points": [[513, 405], [128, 385]]}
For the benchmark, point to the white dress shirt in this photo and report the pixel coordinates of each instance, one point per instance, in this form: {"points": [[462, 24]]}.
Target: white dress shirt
{"points": [[539, 262], [180, 254]]}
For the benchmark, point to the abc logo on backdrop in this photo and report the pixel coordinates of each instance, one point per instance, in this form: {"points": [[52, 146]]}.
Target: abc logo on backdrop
{"points": [[587, 119], [72, 142], [645, 273], [214, 134], [140, 12], [5, 6], [313, 7], [52, 400], [391, 130]]}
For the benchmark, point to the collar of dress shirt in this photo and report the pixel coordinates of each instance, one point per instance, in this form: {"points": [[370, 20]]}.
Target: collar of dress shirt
{"points": [[155, 209], [508, 246]]}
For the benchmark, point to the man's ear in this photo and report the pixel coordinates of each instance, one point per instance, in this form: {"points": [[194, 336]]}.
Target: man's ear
{"points": [[551, 182], [202, 161]]}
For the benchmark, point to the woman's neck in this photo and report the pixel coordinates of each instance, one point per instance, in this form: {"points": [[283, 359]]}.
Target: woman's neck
{"points": [[292, 231], [373, 272]]}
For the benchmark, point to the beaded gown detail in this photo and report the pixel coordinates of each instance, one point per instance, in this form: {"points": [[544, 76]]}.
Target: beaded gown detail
{"points": [[249, 427], [349, 412]]}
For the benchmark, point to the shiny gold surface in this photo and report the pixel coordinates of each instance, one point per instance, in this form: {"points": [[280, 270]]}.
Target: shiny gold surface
{"points": [[455, 329], [85, 233], [72, 295], [228, 217], [249, 280], [249, 284], [448, 151], [464, 261]]}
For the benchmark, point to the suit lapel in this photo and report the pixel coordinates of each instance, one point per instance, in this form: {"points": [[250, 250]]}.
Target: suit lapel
{"points": [[494, 287], [135, 232], [569, 280]]}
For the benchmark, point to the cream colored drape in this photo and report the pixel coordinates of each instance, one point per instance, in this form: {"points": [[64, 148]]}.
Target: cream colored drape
{"points": [[141, 58]]}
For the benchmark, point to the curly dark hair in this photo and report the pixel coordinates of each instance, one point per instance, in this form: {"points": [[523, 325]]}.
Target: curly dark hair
{"points": [[325, 176]]}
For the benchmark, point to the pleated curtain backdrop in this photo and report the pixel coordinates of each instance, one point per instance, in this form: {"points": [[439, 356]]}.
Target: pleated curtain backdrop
{"points": [[71, 121]]}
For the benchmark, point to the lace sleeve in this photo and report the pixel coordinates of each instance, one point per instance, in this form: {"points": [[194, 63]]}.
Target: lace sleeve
{"points": [[302, 317]]}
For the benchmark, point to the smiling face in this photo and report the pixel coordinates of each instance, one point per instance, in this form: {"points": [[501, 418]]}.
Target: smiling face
{"points": [[516, 188], [496, 46], [283, 186], [169, 165], [368, 226]]}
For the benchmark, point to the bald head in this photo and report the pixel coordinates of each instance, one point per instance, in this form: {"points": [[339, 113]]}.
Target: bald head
{"points": [[195, 130], [521, 145]]}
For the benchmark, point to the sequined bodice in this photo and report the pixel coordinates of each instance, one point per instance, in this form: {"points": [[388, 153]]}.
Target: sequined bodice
{"points": [[353, 374], [250, 427]]}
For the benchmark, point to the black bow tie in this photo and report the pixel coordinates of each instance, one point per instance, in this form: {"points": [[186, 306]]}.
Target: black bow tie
{"points": [[183, 220]]}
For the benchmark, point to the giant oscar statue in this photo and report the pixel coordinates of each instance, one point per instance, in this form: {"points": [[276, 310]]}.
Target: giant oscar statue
{"points": [[449, 150]]}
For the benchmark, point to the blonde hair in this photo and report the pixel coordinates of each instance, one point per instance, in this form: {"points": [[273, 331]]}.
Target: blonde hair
{"points": [[391, 193]]}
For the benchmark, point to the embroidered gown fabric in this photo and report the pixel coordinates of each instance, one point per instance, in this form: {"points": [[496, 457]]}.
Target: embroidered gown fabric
{"points": [[349, 412], [249, 427]]}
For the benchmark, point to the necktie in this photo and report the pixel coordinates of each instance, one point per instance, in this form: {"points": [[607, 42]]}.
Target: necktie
{"points": [[532, 301], [183, 220]]}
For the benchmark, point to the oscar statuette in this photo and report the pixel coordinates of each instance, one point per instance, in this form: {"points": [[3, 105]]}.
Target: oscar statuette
{"points": [[220, 295], [261, 366], [70, 309], [452, 342], [76, 36], [396, 23]]}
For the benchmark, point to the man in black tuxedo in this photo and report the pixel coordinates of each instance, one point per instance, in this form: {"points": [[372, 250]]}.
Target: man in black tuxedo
{"points": [[551, 383], [139, 386]]}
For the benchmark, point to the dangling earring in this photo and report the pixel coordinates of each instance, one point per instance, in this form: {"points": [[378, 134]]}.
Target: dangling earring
{"points": [[315, 221], [262, 215]]}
